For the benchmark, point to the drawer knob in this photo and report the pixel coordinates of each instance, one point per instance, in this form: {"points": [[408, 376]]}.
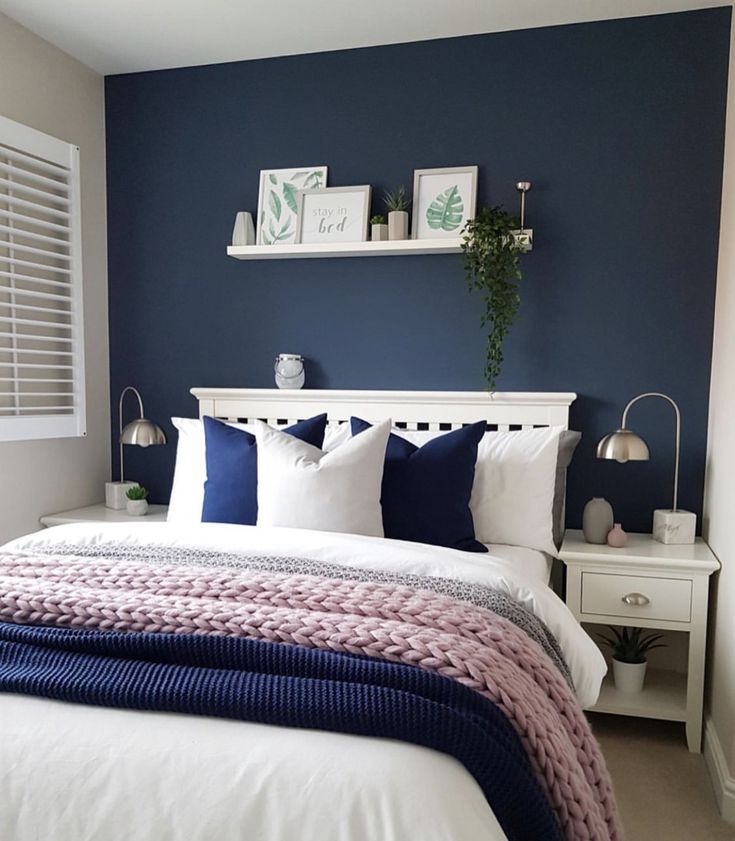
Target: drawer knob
{"points": [[636, 599]]}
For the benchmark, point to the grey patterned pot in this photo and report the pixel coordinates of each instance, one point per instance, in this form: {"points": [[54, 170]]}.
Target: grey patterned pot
{"points": [[137, 507], [398, 224], [379, 232]]}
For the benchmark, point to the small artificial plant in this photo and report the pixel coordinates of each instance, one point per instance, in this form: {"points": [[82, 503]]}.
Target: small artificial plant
{"points": [[377, 220], [396, 199], [490, 253], [136, 492], [631, 645]]}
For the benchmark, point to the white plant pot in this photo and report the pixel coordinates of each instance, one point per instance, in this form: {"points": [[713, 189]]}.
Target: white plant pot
{"points": [[629, 677], [398, 224], [137, 507], [379, 233]]}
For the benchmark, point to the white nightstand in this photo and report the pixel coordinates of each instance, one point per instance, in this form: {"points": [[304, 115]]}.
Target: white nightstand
{"points": [[673, 582], [101, 514]]}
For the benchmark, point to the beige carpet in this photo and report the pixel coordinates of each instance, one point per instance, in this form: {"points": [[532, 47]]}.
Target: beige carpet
{"points": [[663, 791]]}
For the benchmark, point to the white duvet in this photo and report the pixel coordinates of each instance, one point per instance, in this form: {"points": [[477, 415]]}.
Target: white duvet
{"points": [[77, 773]]}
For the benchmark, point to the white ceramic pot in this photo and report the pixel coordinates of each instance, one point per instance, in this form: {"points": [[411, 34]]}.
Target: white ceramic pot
{"points": [[629, 677], [137, 507], [379, 233], [398, 224], [244, 231]]}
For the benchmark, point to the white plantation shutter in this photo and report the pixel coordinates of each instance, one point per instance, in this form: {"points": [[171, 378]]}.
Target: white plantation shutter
{"points": [[41, 330]]}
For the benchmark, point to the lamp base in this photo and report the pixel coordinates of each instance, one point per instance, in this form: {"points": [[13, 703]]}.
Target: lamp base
{"points": [[675, 527], [116, 494]]}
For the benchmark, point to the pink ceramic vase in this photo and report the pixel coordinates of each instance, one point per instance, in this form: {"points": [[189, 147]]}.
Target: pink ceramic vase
{"points": [[616, 537]]}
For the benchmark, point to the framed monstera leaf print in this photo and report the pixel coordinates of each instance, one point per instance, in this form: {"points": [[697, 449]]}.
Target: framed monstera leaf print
{"points": [[443, 200], [278, 201]]}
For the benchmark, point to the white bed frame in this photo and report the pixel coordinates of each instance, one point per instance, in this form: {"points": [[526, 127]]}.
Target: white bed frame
{"points": [[434, 410]]}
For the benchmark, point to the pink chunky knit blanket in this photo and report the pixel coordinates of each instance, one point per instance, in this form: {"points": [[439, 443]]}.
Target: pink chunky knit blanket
{"points": [[429, 630]]}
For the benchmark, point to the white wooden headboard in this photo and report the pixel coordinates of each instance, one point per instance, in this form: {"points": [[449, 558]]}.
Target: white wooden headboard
{"points": [[433, 410]]}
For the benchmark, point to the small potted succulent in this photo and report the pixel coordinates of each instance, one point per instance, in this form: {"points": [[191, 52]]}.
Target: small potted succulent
{"points": [[630, 647], [137, 504], [397, 204], [378, 228]]}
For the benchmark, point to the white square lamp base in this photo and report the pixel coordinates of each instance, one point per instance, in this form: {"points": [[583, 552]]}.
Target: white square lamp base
{"points": [[116, 494], [675, 527]]}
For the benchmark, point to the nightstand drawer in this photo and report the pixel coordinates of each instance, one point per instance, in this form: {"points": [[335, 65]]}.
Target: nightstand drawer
{"points": [[631, 596]]}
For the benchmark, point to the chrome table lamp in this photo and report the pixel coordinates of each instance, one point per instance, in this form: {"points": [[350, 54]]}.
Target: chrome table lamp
{"points": [[140, 433], [669, 525]]}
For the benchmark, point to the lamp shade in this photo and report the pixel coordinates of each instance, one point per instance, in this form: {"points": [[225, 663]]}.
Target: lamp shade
{"points": [[623, 445], [142, 433]]}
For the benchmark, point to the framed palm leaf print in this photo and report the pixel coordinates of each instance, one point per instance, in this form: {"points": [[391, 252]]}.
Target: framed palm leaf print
{"points": [[443, 200]]}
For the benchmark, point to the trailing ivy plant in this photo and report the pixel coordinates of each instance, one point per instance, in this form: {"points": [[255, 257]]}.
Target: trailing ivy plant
{"points": [[490, 254]]}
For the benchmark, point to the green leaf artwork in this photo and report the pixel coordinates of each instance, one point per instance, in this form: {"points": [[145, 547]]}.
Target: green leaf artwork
{"points": [[289, 194], [278, 203], [313, 180], [445, 212], [275, 204], [283, 233]]}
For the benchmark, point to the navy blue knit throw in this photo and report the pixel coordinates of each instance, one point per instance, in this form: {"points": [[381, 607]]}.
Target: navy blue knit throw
{"points": [[285, 685]]}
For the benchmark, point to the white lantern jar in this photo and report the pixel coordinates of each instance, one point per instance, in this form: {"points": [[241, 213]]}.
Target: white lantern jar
{"points": [[289, 370]]}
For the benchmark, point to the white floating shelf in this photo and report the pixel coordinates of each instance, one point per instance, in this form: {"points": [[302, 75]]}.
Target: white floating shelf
{"points": [[346, 249]]}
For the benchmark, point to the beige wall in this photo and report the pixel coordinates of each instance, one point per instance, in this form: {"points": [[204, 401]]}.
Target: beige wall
{"points": [[52, 92], [719, 507]]}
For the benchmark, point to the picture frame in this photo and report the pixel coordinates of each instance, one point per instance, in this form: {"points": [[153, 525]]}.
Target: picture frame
{"points": [[278, 201], [444, 199], [333, 214]]}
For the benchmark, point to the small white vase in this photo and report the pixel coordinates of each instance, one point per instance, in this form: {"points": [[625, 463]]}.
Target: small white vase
{"points": [[243, 233], [137, 507], [398, 224], [629, 677], [379, 232], [597, 520]]}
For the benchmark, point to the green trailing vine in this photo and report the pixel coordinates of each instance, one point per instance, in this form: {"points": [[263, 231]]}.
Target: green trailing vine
{"points": [[490, 254]]}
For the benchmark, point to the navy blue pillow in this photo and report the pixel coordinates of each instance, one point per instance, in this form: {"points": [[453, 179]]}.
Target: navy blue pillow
{"points": [[426, 490], [231, 489]]}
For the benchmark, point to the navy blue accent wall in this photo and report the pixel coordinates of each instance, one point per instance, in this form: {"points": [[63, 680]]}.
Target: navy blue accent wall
{"points": [[619, 125]]}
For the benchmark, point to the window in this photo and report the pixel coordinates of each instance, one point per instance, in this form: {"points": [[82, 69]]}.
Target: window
{"points": [[41, 328]]}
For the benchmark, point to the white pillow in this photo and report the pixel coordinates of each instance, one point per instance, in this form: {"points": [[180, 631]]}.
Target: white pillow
{"points": [[190, 473], [301, 486], [336, 435], [513, 494]]}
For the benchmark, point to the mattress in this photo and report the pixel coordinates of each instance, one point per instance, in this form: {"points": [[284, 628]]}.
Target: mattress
{"points": [[75, 772]]}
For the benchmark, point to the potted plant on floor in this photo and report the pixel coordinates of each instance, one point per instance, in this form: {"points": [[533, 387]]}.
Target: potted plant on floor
{"points": [[137, 504], [378, 228], [630, 648], [490, 253], [397, 204]]}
